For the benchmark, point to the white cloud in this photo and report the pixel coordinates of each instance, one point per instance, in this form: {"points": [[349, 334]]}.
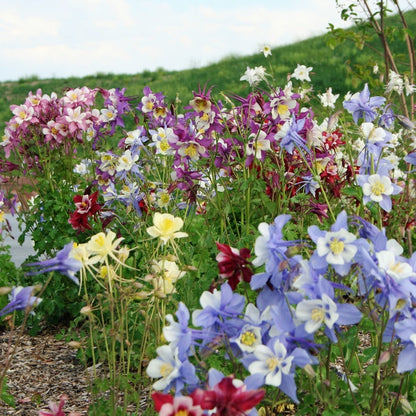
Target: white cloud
{"points": [[83, 37]]}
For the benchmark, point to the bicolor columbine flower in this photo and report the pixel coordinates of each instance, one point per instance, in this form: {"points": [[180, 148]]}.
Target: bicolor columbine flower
{"points": [[315, 312], [336, 247], [233, 264], [166, 227], [378, 188], [406, 331], [20, 299], [167, 405], [276, 365], [170, 370], [55, 409], [229, 397]]}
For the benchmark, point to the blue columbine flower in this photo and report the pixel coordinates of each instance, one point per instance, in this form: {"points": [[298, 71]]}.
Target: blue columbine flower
{"points": [[361, 105], [62, 263], [20, 299]]}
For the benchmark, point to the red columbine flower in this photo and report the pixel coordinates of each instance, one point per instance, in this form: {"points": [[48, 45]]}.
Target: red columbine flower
{"points": [[167, 405], [227, 399], [233, 264]]}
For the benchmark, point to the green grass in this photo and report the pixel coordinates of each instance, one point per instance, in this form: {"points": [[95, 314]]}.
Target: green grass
{"points": [[330, 68]]}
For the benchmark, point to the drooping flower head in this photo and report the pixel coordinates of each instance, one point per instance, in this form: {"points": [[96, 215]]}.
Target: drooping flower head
{"points": [[21, 298], [64, 263]]}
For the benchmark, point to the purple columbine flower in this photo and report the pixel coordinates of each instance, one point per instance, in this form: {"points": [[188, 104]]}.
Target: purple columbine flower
{"points": [[361, 105], [20, 299], [62, 263]]}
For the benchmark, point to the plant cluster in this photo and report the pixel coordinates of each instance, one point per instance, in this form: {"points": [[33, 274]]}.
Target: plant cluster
{"points": [[147, 211]]}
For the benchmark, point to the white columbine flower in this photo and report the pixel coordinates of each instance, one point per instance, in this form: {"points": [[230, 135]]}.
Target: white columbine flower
{"points": [[254, 76], [302, 73], [315, 312], [328, 99], [395, 82]]}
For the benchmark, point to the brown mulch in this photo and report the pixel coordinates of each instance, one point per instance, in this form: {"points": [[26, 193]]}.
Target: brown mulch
{"points": [[43, 368]]}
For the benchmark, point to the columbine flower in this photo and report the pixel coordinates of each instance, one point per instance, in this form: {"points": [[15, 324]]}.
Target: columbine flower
{"points": [[361, 105], [406, 331], [276, 365], [254, 76], [56, 409], [167, 405], [167, 274], [266, 50], [217, 307], [233, 264], [166, 227], [336, 247], [103, 245], [328, 99], [302, 73], [378, 188], [315, 312], [171, 371], [228, 397], [64, 263], [19, 299], [409, 88], [395, 82], [258, 145], [289, 135]]}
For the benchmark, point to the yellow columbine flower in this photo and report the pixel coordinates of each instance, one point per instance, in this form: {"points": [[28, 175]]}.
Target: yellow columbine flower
{"points": [[102, 245], [166, 227]]}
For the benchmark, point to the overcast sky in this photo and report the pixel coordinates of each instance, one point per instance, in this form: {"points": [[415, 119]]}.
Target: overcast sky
{"points": [[51, 38]]}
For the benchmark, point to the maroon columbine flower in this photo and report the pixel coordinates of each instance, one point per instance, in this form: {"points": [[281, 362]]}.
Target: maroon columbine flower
{"points": [[87, 206], [233, 264], [227, 399]]}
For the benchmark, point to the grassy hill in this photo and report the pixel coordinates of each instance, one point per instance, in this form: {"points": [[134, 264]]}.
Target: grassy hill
{"points": [[331, 68]]}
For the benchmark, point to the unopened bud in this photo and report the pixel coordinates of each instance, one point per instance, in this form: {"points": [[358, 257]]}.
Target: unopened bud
{"points": [[309, 370], [4, 290]]}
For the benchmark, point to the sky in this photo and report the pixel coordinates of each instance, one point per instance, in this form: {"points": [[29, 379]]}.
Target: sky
{"points": [[58, 39]]}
